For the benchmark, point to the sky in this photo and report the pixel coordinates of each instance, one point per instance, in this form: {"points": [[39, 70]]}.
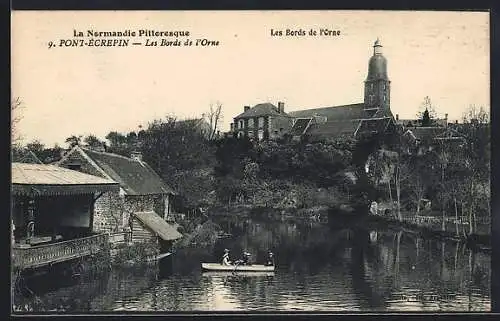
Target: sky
{"points": [[94, 90]]}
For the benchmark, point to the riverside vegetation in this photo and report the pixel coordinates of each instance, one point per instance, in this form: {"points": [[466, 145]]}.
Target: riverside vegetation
{"points": [[307, 177]]}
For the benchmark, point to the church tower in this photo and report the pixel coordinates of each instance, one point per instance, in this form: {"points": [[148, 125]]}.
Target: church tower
{"points": [[377, 84]]}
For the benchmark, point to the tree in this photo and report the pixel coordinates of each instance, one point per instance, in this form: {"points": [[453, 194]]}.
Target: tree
{"points": [[73, 140], [92, 141], [427, 112], [36, 147], [15, 117], [214, 118]]}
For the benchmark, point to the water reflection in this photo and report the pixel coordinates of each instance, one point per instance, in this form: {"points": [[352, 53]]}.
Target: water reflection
{"points": [[318, 268]]}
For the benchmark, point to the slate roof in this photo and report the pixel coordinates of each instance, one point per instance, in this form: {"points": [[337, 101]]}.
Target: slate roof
{"points": [[25, 155], [332, 129], [300, 126], [335, 113], [135, 177], [158, 225], [265, 109], [425, 133], [373, 125], [41, 179]]}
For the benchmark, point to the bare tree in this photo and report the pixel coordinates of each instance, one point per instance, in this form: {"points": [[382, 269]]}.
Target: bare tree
{"points": [[15, 117], [214, 118]]}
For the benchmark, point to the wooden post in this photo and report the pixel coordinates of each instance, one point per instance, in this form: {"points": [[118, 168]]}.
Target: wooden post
{"points": [[30, 233]]}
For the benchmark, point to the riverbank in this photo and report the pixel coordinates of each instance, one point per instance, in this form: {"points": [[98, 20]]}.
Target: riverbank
{"points": [[481, 242]]}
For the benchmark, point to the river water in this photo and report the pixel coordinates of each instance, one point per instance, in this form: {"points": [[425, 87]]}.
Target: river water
{"points": [[319, 268]]}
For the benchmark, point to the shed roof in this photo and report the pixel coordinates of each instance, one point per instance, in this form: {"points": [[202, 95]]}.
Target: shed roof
{"points": [[41, 179], [135, 177], [158, 225]]}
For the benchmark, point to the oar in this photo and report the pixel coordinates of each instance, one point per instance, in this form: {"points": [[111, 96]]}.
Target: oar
{"points": [[237, 263]]}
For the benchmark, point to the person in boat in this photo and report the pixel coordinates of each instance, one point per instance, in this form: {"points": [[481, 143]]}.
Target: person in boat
{"points": [[245, 258], [270, 259], [225, 258]]}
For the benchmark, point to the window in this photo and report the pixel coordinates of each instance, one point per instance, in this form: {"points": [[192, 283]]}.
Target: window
{"points": [[261, 134], [250, 123], [241, 124], [261, 122], [250, 133]]}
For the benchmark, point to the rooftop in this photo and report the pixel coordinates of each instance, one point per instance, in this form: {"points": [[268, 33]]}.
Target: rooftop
{"points": [[53, 180], [135, 177], [265, 109]]}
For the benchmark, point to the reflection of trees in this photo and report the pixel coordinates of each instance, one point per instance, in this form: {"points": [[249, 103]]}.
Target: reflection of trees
{"points": [[423, 267]]}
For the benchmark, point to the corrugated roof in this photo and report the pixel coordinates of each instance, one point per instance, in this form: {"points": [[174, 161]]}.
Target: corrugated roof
{"points": [[135, 177], [158, 225], [335, 113], [40, 179], [265, 109]]}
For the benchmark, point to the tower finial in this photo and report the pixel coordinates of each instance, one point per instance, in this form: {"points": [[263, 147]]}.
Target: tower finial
{"points": [[377, 47]]}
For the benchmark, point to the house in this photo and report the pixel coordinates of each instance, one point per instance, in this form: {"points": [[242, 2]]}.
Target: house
{"points": [[53, 214], [422, 139], [199, 124], [438, 122], [143, 203], [262, 121]]}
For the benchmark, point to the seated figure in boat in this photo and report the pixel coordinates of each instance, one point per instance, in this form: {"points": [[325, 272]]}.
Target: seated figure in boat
{"points": [[270, 259], [225, 258], [245, 258]]}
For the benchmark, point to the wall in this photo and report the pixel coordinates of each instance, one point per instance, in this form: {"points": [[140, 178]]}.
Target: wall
{"points": [[108, 213]]}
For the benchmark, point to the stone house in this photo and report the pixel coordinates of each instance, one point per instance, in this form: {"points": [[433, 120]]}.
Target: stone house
{"points": [[143, 203], [262, 121]]}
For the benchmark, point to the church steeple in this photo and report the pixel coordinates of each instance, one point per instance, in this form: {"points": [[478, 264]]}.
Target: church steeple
{"points": [[377, 84]]}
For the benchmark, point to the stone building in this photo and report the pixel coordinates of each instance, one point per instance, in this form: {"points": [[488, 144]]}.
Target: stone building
{"points": [[143, 200], [372, 116], [262, 121]]}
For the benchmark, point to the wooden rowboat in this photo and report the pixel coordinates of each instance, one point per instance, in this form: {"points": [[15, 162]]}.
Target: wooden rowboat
{"points": [[236, 268], [237, 273]]}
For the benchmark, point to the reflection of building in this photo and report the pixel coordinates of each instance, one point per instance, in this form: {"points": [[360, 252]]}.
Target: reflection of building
{"points": [[53, 213]]}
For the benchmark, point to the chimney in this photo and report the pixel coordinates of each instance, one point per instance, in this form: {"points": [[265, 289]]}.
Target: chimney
{"points": [[246, 108], [137, 156], [445, 120], [397, 116], [281, 107]]}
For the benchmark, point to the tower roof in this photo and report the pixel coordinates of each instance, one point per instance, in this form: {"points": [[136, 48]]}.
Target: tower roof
{"points": [[377, 66]]}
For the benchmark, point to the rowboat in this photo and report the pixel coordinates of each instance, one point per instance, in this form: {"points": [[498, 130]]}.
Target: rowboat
{"points": [[236, 268]]}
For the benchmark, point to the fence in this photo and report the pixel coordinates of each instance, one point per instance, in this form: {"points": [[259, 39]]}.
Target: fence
{"points": [[35, 256]]}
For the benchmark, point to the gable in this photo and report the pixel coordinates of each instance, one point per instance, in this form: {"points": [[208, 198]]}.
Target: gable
{"points": [[135, 177], [266, 109]]}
